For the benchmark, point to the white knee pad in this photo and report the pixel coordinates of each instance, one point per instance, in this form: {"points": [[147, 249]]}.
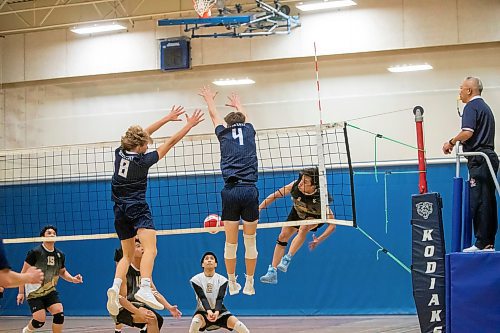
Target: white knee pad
{"points": [[195, 325], [250, 246], [230, 250], [241, 328]]}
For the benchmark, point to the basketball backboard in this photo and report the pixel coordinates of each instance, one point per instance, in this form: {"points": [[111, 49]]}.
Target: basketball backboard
{"points": [[263, 21]]}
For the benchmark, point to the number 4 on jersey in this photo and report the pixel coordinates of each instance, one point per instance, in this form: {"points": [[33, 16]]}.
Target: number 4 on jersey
{"points": [[238, 134]]}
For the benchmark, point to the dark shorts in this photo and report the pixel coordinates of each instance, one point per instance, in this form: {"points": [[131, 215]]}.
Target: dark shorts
{"points": [[130, 217], [221, 322], [43, 302], [125, 317], [240, 201], [293, 216]]}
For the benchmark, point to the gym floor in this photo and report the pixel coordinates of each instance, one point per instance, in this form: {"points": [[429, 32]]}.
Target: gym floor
{"points": [[337, 324]]}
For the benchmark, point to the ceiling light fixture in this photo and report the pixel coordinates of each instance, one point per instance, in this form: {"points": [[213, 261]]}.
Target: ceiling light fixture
{"points": [[233, 82], [97, 28], [409, 68], [318, 5]]}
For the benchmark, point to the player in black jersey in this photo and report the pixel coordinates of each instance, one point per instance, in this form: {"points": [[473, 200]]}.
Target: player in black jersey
{"points": [[44, 297], [132, 214], [11, 279], [240, 197], [134, 313], [306, 205]]}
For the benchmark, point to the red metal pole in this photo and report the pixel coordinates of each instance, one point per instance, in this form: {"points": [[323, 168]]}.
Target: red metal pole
{"points": [[418, 111]]}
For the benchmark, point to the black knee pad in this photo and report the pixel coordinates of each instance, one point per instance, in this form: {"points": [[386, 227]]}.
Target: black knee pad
{"points": [[58, 318], [37, 324], [280, 243]]}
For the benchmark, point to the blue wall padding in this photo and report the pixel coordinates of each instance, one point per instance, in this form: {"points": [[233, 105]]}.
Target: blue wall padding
{"points": [[342, 276], [467, 236], [473, 290], [456, 219]]}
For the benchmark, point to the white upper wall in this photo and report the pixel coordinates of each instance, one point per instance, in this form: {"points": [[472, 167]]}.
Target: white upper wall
{"points": [[357, 88], [354, 85], [373, 25]]}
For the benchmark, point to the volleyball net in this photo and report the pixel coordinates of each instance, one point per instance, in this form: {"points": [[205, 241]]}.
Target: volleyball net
{"points": [[70, 186]]}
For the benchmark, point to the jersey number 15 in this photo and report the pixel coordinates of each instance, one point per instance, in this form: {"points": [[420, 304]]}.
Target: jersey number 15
{"points": [[238, 134]]}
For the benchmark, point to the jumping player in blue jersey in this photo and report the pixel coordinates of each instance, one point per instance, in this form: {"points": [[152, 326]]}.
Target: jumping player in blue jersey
{"points": [[132, 214], [240, 197]]}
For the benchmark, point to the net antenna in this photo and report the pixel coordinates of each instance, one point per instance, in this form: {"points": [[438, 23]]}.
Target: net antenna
{"points": [[202, 7]]}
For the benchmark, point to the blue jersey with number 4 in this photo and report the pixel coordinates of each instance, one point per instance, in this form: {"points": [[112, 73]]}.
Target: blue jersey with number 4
{"points": [[130, 179], [238, 152]]}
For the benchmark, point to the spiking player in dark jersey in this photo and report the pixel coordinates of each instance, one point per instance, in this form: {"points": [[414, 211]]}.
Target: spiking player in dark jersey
{"points": [[11, 279], [210, 289], [132, 214], [137, 314], [44, 297], [240, 197], [306, 205]]}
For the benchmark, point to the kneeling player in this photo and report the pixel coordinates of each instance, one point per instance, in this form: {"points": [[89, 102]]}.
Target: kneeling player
{"points": [[210, 289]]}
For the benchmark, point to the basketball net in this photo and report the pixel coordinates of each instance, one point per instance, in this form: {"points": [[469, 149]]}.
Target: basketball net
{"points": [[202, 7]]}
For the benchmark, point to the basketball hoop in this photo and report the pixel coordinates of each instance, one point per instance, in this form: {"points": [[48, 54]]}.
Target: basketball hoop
{"points": [[202, 7]]}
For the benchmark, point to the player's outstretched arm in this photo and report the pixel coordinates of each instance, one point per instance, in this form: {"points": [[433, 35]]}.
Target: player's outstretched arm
{"points": [[174, 115], [30, 274], [65, 275], [328, 231], [285, 190], [235, 102], [220, 298], [201, 295], [209, 98], [191, 121], [11, 279], [174, 311]]}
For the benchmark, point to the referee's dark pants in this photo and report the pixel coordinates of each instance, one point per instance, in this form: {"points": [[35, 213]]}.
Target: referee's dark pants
{"points": [[483, 203]]}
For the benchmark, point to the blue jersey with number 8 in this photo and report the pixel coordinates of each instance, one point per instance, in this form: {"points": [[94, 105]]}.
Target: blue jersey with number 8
{"points": [[238, 152], [130, 179]]}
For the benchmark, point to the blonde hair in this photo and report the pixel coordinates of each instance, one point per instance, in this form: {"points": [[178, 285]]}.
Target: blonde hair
{"points": [[135, 137]]}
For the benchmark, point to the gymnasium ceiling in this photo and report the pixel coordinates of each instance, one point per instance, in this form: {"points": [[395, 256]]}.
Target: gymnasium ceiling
{"points": [[22, 16]]}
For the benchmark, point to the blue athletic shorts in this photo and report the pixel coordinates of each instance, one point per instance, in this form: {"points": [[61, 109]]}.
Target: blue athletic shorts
{"points": [[240, 201], [131, 217]]}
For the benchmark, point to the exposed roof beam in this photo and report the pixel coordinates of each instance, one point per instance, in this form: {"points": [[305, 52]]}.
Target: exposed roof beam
{"points": [[4, 2], [50, 12], [22, 19], [103, 17], [64, 25], [68, 5]]}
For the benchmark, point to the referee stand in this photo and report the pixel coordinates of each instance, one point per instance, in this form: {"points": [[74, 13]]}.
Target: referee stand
{"points": [[472, 279]]}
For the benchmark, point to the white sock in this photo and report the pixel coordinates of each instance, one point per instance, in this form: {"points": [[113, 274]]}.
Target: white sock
{"points": [[195, 325], [27, 330], [231, 277], [241, 328], [145, 283], [249, 277], [117, 282]]}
